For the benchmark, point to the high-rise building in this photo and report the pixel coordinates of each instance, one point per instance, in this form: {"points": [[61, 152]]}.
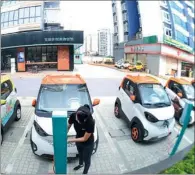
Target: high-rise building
{"points": [[118, 22], [32, 34], [167, 27], [91, 44], [105, 42]]}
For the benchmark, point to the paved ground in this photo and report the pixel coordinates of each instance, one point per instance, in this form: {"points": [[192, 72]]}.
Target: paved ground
{"points": [[117, 153]]}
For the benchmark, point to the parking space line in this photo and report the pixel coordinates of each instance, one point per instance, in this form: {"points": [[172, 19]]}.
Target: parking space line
{"points": [[186, 138], [120, 162], [9, 167]]}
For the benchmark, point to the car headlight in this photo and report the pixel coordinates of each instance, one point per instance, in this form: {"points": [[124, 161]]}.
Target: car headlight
{"points": [[39, 130], [150, 117]]}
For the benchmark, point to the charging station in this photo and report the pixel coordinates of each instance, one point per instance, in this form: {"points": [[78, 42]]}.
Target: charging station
{"points": [[185, 119], [59, 124]]}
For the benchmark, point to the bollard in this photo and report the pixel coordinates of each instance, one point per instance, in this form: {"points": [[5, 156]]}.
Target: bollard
{"points": [[59, 124], [185, 119]]}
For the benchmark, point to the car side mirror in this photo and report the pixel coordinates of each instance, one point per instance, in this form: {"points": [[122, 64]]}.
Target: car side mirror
{"points": [[96, 102], [34, 102], [180, 94], [132, 97], [3, 102]]}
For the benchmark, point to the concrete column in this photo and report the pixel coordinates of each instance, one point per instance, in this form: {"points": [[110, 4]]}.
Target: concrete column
{"points": [[179, 68], [13, 66], [162, 65]]}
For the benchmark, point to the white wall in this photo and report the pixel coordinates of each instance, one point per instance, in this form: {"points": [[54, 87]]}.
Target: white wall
{"points": [[162, 65], [151, 17], [120, 22]]}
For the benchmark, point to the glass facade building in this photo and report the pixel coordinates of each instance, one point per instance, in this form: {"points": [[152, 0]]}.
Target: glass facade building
{"points": [[32, 29]]}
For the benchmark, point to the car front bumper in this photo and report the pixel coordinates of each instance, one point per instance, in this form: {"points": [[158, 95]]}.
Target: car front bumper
{"points": [[43, 146], [156, 132]]}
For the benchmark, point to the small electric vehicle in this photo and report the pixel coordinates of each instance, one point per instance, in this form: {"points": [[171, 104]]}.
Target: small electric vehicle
{"points": [[145, 105], [10, 105], [185, 92], [58, 93]]}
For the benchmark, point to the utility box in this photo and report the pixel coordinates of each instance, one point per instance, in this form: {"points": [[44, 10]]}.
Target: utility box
{"points": [[59, 124]]}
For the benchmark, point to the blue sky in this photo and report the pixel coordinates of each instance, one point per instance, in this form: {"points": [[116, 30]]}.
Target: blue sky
{"points": [[86, 15]]}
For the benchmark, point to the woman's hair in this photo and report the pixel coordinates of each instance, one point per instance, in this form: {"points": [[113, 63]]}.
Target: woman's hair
{"points": [[83, 113]]}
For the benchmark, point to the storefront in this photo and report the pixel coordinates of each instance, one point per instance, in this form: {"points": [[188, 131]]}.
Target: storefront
{"points": [[160, 59], [53, 49]]}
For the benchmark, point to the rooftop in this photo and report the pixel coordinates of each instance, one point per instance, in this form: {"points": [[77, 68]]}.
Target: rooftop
{"points": [[63, 79], [142, 79]]}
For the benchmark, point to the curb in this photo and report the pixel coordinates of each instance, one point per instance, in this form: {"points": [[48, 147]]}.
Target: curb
{"points": [[164, 164]]}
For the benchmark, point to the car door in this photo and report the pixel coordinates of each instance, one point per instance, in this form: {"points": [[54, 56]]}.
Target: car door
{"points": [[9, 95], [129, 105], [122, 95]]}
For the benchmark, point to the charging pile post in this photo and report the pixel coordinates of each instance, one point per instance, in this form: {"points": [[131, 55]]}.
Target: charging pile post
{"points": [[185, 119], [59, 124]]}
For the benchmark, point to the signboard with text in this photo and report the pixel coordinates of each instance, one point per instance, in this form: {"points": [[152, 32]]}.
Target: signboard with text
{"points": [[170, 41]]}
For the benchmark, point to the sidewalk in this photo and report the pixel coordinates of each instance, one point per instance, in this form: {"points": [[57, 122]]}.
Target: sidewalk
{"points": [[165, 77], [39, 74]]}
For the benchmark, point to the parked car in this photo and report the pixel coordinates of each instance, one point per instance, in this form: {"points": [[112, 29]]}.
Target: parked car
{"points": [[143, 102], [125, 65], [137, 67], [184, 91], [64, 92], [119, 63], [10, 105]]}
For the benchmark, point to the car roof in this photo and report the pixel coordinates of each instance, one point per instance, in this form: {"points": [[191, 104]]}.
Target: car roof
{"points": [[179, 80], [63, 79], [4, 78], [146, 79]]}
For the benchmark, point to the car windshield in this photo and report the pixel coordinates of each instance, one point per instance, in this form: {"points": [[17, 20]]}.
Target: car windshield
{"points": [[139, 64], [189, 91], [154, 95], [62, 97]]}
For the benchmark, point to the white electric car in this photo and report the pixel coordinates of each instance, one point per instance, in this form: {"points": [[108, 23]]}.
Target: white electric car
{"points": [[58, 93], [145, 105], [185, 93]]}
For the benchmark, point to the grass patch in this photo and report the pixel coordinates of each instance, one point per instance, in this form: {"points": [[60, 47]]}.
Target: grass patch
{"points": [[185, 166]]}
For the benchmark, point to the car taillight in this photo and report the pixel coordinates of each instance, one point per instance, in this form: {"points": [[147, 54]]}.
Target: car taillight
{"points": [[150, 117], [39, 130]]}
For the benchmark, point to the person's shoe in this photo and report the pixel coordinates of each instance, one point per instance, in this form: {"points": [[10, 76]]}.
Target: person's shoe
{"points": [[78, 167]]}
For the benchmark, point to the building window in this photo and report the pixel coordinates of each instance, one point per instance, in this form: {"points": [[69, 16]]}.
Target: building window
{"points": [[180, 22], [182, 38], [167, 32], [140, 22], [16, 17], [176, 7], [166, 16], [51, 5]]}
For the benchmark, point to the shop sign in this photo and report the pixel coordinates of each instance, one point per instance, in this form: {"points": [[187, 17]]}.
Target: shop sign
{"points": [[69, 39], [177, 44], [134, 49]]}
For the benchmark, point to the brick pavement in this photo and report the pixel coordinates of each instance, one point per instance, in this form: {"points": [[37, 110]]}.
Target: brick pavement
{"points": [[116, 154]]}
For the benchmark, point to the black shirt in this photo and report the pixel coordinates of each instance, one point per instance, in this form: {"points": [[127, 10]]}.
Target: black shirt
{"points": [[88, 126]]}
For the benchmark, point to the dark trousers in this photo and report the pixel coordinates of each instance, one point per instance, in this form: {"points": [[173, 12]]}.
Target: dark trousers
{"points": [[85, 152]]}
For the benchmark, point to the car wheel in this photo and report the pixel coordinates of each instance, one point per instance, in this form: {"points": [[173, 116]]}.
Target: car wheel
{"points": [[18, 113], [117, 110], [96, 145], [136, 133]]}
